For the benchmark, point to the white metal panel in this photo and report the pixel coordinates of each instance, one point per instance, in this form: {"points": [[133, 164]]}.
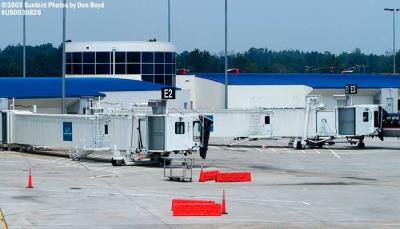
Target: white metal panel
{"points": [[365, 119], [267, 96], [47, 130], [121, 132], [175, 141], [209, 94]]}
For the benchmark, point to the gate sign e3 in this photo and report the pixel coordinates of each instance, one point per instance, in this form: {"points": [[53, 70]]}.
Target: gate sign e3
{"points": [[351, 89], [168, 93], [67, 131]]}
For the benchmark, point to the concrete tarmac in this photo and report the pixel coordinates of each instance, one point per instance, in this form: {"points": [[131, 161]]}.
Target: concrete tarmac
{"points": [[335, 187]]}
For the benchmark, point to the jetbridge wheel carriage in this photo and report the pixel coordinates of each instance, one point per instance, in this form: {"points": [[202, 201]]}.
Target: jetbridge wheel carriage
{"points": [[313, 143], [119, 160]]}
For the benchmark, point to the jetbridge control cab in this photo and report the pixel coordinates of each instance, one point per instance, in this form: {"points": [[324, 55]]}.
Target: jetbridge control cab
{"points": [[360, 120], [168, 133]]}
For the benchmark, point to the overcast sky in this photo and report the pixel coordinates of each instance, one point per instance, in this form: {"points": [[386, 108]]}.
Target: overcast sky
{"points": [[320, 25]]}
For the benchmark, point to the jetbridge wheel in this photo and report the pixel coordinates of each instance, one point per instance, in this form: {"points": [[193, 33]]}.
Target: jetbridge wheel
{"points": [[298, 145], [117, 162], [165, 160], [361, 145]]}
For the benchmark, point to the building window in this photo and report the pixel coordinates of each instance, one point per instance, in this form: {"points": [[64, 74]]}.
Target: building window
{"points": [[159, 79], [148, 78], [159, 69], [77, 69], [103, 57], [179, 128], [168, 80], [102, 69], [365, 117], [88, 69], [133, 57], [159, 57], [88, 57], [148, 57], [133, 68], [68, 69], [120, 57], [148, 69], [68, 57], [156, 67], [77, 57], [168, 57], [120, 68]]}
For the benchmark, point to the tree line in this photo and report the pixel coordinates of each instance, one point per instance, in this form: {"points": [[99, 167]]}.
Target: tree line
{"points": [[45, 60]]}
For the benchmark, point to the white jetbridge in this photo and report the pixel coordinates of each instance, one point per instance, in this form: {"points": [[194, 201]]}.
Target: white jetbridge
{"points": [[142, 134], [312, 126], [131, 135]]}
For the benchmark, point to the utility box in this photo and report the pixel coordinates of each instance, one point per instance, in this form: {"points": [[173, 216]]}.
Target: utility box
{"points": [[168, 133]]}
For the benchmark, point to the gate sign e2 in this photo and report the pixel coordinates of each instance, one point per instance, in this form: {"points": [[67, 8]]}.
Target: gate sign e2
{"points": [[168, 93], [351, 89], [67, 131]]}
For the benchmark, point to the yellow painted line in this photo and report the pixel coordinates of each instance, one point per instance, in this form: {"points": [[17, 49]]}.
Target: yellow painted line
{"points": [[3, 220]]}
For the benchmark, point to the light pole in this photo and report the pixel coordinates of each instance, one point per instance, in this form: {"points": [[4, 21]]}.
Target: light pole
{"points": [[63, 59], [226, 54], [393, 10], [24, 42], [169, 20]]}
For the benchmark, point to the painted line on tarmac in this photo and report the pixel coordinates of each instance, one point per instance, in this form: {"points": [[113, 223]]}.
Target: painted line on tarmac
{"points": [[303, 151], [273, 150], [334, 153], [3, 220], [117, 173], [317, 151], [231, 198]]}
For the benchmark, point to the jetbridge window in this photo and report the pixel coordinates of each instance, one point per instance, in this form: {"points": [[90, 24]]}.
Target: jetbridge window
{"points": [[376, 118], [196, 131], [365, 117], [267, 120], [106, 129], [179, 128]]}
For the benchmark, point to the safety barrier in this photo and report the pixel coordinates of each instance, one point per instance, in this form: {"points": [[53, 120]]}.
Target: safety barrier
{"points": [[233, 177], [188, 201], [189, 207], [197, 209], [208, 175]]}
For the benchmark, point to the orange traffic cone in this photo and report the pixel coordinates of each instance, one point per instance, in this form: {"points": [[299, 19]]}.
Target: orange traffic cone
{"points": [[30, 179], [223, 204], [201, 177]]}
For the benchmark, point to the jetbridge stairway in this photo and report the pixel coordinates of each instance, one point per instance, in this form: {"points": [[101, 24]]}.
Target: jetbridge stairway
{"points": [[97, 143]]}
